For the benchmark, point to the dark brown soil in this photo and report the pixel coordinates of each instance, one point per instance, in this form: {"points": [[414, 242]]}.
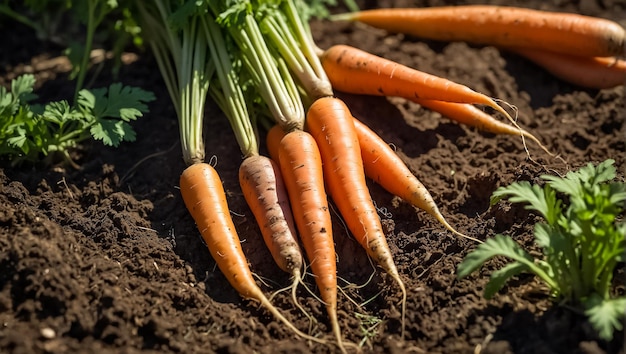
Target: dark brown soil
{"points": [[106, 259]]}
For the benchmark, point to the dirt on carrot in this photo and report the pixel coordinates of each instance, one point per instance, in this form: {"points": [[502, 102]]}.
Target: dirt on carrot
{"points": [[264, 190]]}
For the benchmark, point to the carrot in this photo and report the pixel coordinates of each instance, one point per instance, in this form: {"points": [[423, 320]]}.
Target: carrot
{"points": [[259, 178], [470, 115], [188, 68], [352, 70], [355, 71], [204, 197], [386, 168], [301, 167], [264, 190], [561, 32], [330, 122], [588, 72], [272, 142]]}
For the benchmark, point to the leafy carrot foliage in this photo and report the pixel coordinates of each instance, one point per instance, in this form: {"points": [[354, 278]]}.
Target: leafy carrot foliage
{"points": [[583, 239]]}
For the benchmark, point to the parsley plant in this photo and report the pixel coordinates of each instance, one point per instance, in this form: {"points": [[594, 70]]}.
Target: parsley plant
{"points": [[32, 132]]}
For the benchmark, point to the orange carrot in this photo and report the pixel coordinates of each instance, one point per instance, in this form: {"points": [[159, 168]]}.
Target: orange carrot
{"points": [[588, 72], [355, 71], [272, 141], [204, 197], [352, 70], [566, 33], [386, 168], [470, 115], [264, 190], [330, 122], [301, 167]]}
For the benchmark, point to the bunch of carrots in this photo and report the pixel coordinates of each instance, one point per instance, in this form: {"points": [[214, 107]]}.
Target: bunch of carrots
{"points": [[258, 61]]}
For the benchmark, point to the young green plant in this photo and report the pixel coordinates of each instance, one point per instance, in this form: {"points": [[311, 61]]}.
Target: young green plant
{"points": [[582, 240], [92, 13], [31, 133], [46, 17]]}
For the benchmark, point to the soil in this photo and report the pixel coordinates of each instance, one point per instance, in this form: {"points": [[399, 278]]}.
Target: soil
{"points": [[106, 259]]}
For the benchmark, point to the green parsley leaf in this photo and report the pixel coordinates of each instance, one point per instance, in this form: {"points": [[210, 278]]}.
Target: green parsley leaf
{"points": [[604, 315], [582, 241], [127, 103], [28, 133]]}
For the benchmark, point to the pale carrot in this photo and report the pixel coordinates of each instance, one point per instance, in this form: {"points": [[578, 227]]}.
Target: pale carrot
{"points": [[352, 70], [386, 168], [204, 197], [301, 167], [330, 122], [264, 190], [562, 32], [588, 72]]}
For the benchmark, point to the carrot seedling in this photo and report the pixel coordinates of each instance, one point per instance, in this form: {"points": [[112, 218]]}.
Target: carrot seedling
{"points": [[582, 240], [48, 16]]}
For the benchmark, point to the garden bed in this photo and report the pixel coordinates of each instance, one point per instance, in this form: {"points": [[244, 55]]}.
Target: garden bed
{"points": [[107, 259]]}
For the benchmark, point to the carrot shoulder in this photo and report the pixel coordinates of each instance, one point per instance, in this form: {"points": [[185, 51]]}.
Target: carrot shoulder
{"points": [[272, 142], [330, 122], [567, 33], [355, 71]]}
